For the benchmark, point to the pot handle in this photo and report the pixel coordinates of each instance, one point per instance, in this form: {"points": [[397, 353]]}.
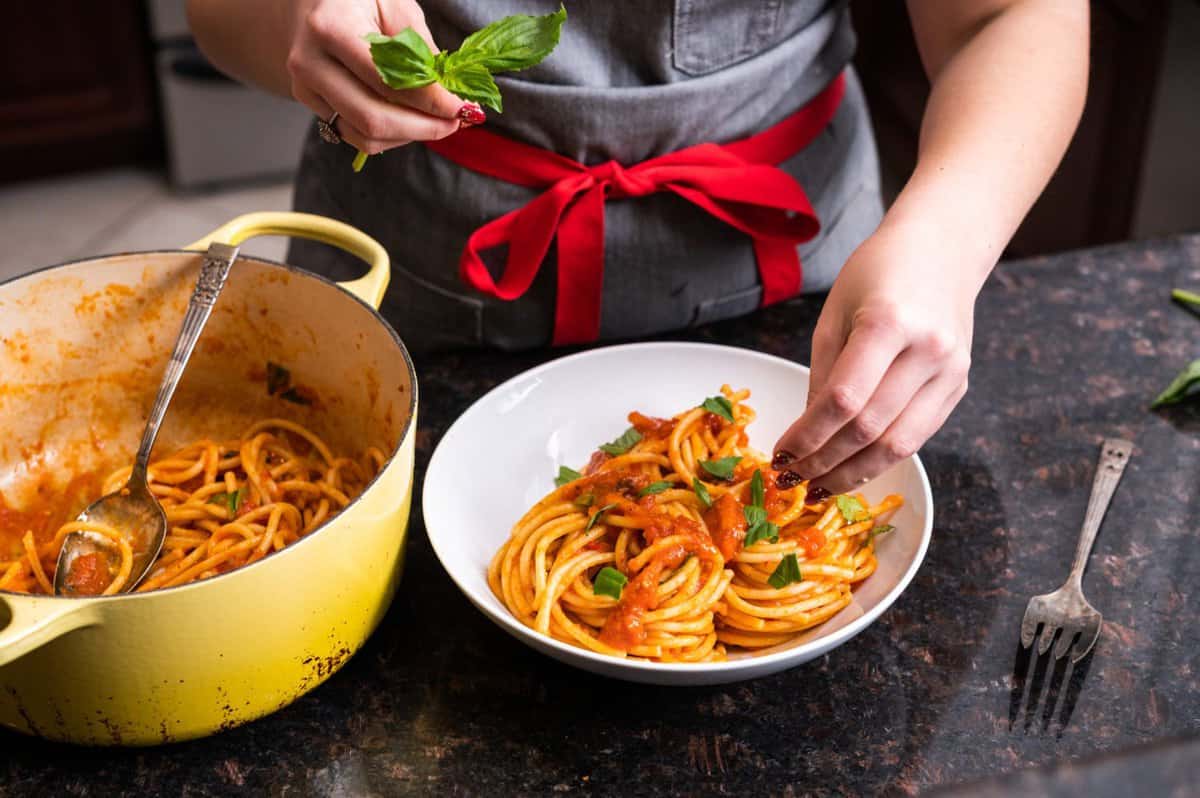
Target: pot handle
{"points": [[369, 288], [33, 622]]}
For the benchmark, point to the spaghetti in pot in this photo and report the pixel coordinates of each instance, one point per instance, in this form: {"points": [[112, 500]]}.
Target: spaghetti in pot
{"points": [[676, 544], [228, 504]]}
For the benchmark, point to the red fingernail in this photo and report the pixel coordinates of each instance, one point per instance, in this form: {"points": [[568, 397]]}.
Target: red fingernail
{"points": [[472, 114], [816, 494], [787, 480], [781, 459]]}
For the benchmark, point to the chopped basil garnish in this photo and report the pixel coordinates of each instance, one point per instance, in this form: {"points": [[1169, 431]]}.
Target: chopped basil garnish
{"points": [[721, 469], [762, 531], [609, 582], [566, 475], [757, 494], [596, 515], [654, 487], [719, 406], [757, 526], [702, 492], [278, 378], [622, 444], [852, 509], [586, 500], [787, 572], [295, 397], [882, 529], [230, 501]]}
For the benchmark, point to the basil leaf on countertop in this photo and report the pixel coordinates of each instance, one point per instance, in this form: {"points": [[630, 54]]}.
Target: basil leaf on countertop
{"points": [[1185, 386]]}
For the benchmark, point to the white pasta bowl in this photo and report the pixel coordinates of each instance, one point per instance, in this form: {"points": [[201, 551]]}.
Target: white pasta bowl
{"points": [[557, 413]]}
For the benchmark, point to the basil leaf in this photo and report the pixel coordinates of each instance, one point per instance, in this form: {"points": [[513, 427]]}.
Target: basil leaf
{"points": [[754, 515], [852, 509], [278, 378], [596, 516], [787, 572], [609, 582], [403, 61], [882, 529], [1181, 388], [472, 82], [721, 469], [654, 487], [586, 500], [702, 492], [566, 475], [295, 397], [510, 44], [230, 501], [757, 493], [763, 531], [624, 443], [719, 406], [1186, 297]]}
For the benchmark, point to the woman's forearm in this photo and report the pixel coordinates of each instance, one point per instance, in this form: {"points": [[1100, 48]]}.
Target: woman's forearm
{"points": [[245, 39], [1008, 87]]}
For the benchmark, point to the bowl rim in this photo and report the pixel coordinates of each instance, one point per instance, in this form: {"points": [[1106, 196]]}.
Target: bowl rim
{"points": [[536, 639], [406, 430]]}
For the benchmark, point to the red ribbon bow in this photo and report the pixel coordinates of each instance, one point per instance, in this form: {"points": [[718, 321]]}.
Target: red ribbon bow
{"points": [[737, 183]]}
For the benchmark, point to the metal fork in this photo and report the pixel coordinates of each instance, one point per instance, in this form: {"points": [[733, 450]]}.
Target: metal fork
{"points": [[1066, 610]]}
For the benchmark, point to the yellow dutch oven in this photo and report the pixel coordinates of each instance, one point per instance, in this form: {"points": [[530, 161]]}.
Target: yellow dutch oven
{"points": [[82, 348]]}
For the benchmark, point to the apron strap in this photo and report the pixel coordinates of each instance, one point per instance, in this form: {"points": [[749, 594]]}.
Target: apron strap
{"points": [[738, 183]]}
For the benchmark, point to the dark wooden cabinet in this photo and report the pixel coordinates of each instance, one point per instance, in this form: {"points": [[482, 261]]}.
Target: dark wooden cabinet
{"points": [[76, 88], [1092, 197]]}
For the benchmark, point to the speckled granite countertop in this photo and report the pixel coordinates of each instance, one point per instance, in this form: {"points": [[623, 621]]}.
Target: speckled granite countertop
{"points": [[1068, 350]]}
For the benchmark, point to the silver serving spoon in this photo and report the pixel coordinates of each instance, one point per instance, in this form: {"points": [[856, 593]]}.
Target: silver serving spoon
{"points": [[133, 510]]}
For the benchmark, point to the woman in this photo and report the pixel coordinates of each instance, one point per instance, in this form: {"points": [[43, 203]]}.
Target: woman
{"points": [[633, 81]]}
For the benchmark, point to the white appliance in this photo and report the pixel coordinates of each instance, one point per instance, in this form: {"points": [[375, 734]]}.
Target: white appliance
{"points": [[217, 130]]}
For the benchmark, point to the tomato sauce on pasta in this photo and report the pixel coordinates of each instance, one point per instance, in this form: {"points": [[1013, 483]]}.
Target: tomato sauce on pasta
{"points": [[676, 544]]}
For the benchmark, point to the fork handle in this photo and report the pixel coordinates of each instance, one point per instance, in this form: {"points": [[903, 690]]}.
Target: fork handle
{"points": [[1114, 454]]}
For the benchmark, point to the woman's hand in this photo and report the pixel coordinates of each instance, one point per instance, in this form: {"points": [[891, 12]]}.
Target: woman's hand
{"points": [[330, 67], [889, 359]]}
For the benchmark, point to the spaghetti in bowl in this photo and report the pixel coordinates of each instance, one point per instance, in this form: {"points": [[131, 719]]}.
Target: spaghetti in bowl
{"points": [[561, 415]]}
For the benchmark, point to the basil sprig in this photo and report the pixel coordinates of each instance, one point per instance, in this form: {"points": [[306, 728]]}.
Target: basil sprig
{"points": [[1183, 387], [404, 61], [1186, 384], [757, 526], [609, 582]]}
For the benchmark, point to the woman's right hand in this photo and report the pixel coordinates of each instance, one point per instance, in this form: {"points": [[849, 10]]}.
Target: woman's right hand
{"points": [[330, 66]]}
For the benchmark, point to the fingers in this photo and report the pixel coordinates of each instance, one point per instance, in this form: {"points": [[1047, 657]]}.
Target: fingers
{"points": [[334, 35], [926, 413], [904, 379], [853, 379], [378, 124]]}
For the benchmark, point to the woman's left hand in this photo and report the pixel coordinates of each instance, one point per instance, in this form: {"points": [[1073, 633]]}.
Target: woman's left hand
{"points": [[890, 356]]}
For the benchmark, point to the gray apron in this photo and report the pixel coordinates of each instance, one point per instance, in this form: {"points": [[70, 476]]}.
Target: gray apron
{"points": [[629, 81]]}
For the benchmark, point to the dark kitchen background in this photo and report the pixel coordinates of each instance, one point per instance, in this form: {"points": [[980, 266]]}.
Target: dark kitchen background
{"points": [[116, 134]]}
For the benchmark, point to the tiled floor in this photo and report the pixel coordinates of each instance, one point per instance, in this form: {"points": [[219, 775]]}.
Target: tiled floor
{"points": [[50, 221]]}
